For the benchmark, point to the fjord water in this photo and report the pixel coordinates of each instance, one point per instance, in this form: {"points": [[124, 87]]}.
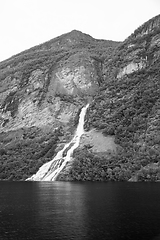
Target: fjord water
{"points": [[65, 211]]}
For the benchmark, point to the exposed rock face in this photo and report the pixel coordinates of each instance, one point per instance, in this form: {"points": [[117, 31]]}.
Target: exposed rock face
{"points": [[39, 100], [130, 68], [75, 77]]}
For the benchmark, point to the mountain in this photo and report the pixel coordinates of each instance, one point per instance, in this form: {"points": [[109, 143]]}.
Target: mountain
{"points": [[129, 105], [43, 89]]}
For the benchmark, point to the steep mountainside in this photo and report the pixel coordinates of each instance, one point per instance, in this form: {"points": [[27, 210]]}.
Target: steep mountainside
{"points": [[129, 104], [41, 93], [43, 89]]}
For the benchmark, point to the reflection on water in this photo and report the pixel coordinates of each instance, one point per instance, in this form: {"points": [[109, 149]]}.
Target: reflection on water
{"points": [[65, 204], [57, 210]]}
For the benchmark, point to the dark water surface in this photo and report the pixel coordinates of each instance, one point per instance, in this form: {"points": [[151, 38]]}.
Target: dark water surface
{"points": [[57, 210]]}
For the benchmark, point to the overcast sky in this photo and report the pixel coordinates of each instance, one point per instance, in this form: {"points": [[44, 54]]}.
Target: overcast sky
{"points": [[26, 23]]}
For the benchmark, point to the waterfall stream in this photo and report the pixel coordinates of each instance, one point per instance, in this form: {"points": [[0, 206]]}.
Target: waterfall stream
{"points": [[50, 170]]}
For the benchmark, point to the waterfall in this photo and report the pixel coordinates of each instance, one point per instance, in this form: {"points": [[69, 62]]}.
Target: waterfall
{"points": [[50, 170]]}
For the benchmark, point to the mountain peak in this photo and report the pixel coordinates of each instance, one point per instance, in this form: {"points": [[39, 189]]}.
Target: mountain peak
{"points": [[75, 32], [77, 36]]}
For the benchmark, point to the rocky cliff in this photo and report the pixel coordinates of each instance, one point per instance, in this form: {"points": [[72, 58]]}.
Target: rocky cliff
{"points": [[43, 89]]}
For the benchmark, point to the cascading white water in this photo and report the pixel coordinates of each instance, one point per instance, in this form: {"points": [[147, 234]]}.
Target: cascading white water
{"points": [[50, 170]]}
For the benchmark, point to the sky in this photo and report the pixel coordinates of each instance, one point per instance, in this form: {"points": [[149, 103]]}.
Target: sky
{"points": [[26, 23]]}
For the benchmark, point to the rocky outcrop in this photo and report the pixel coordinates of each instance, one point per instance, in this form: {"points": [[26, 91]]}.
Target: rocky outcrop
{"points": [[98, 142], [130, 68]]}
